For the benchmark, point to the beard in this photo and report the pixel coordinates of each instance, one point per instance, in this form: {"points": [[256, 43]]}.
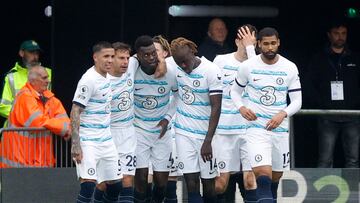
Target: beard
{"points": [[270, 55], [339, 44]]}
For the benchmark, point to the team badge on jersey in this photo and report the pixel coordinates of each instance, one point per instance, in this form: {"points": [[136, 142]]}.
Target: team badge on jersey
{"points": [[279, 81], [129, 82], [222, 165], [91, 171], [181, 165], [161, 90], [258, 157], [196, 83]]}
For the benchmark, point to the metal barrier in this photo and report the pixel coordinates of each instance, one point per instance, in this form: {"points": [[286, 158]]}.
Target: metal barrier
{"points": [[313, 112], [33, 148]]}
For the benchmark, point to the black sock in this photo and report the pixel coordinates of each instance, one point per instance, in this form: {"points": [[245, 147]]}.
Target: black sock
{"points": [[139, 197], [274, 188], [194, 197], [86, 192], [112, 192], [263, 190], [126, 195], [221, 198], [250, 196], [158, 194], [149, 191], [98, 195], [170, 196]]}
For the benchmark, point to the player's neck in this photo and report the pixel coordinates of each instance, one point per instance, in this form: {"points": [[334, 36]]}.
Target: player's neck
{"points": [[115, 74], [148, 71]]}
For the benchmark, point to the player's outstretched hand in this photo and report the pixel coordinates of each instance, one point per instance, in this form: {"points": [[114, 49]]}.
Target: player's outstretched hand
{"points": [[206, 151], [163, 124]]}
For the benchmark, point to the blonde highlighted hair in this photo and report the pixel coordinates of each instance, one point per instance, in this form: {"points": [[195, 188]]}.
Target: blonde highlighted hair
{"points": [[164, 43]]}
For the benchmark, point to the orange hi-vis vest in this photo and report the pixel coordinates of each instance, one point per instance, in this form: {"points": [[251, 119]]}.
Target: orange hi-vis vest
{"points": [[33, 149]]}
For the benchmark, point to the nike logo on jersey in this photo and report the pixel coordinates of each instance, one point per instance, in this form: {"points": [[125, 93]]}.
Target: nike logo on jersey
{"points": [[104, 94], [211, 172], [130, 169], [219, 77], [226, 75], [179, 76], [137, 89], [256, 79]]}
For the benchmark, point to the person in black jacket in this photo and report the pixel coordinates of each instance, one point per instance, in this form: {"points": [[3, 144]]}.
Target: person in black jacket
{"points": [[214, 43], [335, 74]]}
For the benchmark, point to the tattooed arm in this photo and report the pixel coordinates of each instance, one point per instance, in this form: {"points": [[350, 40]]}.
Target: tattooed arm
{"points": [[76, 151]]}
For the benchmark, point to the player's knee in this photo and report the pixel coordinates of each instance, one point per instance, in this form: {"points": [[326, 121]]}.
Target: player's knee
{"points": [[101, 186], [220, 185], [249, 181], [127, 181]]}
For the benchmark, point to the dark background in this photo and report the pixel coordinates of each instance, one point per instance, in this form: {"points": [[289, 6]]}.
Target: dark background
{"points": [[67, 38]]}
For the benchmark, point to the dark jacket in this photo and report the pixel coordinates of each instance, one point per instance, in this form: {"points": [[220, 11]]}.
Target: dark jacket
{"points": [[209, 48], [328, 66]]}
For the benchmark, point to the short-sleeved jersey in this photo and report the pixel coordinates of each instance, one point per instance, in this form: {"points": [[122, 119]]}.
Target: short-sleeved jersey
{"points": [[193, 109], [93, 92], [152, 98], [231, 121], [268, 86], [122, 103]]}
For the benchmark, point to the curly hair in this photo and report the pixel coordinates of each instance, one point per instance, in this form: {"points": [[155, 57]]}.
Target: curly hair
{"points": [[182, 42]]}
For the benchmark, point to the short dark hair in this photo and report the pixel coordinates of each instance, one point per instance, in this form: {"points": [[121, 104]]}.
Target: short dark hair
{"points": [[251, 28], [101, 45], [336, 24], [143, 41], [121, 46], [268, 32]]}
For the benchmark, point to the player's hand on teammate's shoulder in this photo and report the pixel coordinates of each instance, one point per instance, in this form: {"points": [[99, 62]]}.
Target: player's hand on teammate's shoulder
{"points": [[161, 68]]}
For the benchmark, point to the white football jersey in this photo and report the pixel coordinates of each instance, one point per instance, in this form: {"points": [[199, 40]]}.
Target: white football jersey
{"points": [[268, 86], [152, 98], [231, 121], [193, 109], [122, 103], [93, 92]]}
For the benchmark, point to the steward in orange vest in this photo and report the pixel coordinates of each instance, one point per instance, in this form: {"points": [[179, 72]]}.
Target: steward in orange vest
{"points": [[34, 106]]}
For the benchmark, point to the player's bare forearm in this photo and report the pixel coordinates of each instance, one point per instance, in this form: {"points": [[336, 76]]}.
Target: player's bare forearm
{"points": [[215, 102], [206, 149], [75, 125]]}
